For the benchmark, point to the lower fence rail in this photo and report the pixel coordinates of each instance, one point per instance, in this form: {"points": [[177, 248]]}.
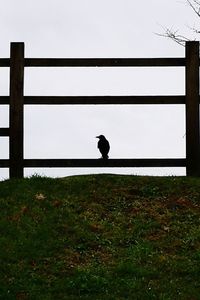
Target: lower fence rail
{"points": [[98, 163]]}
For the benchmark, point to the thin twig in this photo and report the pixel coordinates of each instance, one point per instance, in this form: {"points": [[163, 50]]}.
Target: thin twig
{"points": [[174, 34], [195, 6]]}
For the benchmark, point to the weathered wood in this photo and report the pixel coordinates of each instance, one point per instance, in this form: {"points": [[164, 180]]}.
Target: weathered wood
{"points": [[192, 109], [81, 100], [16, 109], [105, 62], [101, 163], [4, 131]]}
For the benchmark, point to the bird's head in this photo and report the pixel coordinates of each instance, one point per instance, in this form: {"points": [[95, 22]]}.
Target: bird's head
{"points": [[100, 137]]}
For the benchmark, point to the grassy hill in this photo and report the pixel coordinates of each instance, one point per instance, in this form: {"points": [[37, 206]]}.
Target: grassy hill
{"points": [[100, 237]]}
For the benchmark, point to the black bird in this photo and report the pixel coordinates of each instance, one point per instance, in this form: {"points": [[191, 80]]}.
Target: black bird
{"points": [[103, 146]]}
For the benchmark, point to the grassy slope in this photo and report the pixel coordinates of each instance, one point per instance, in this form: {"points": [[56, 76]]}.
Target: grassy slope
{"points": [[100, 237]]}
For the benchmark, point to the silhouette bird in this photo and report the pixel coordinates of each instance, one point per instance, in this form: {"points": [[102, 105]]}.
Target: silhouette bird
{"points": [[103, 146]]}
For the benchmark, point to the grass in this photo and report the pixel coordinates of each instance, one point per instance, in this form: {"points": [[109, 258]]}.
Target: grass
{"points": [[100, 237]]}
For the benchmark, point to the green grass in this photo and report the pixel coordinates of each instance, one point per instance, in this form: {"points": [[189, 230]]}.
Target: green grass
{"points": [[100, 237]]}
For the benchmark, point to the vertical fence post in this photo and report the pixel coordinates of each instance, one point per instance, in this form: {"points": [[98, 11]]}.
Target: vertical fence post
{"points": [[192, 109], [16, 109]]}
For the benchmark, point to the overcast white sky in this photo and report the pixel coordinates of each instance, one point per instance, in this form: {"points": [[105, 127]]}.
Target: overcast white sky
{"points": [[94, 28]]}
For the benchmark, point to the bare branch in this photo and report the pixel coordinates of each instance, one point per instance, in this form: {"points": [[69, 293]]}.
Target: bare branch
{"points": [[194, 29], [174, 34], [195, 5]]}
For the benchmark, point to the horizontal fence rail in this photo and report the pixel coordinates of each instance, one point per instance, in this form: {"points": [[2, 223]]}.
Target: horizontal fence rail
{"points": [[5, 62], [4, 131], [16, 101], [98, 163], [99, 62], [101, 100], [105, 62]]}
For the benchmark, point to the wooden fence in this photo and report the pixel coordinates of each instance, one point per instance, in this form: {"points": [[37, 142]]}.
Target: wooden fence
{"points": [[16, 101]]}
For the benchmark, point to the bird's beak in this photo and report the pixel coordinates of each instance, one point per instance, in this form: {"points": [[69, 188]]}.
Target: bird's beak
{"points": [[97, 137]]}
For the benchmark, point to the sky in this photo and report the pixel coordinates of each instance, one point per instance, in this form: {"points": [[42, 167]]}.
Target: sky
{"points": [[93, 28]]}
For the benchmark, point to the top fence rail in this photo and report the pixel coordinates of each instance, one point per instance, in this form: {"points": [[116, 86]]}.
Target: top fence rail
{"points": [[99, 62]]}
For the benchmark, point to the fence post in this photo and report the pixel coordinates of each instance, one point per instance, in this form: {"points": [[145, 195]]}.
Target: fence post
{"points": [[192, 109], [16, 110]]}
